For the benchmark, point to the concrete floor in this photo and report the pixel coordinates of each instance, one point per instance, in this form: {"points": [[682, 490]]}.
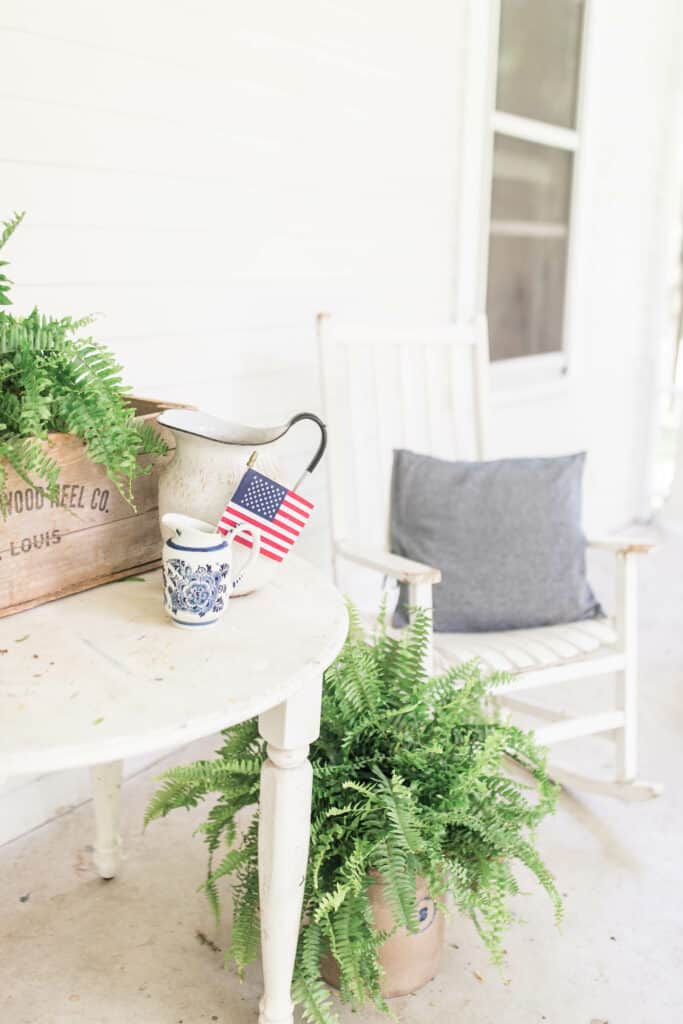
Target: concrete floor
{"points": [[143, 949]]}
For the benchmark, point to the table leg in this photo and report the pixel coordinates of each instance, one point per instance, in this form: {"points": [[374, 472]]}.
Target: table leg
{"points": [[106, 787], [284, 832]]}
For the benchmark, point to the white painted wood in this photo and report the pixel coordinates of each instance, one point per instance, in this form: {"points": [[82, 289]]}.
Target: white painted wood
{"points": [[535, 131], [527, 707], [119, 686], [627, 679], [517, 382], [599, 392], [481, 388], [420, 596], [622, 545], [528, 229], [476, 102], [578, 241], [664, 272], [405, 570], [434, 375], [567, 140], [629, 792], [587, 725], [106, 787], [284, 830], [296, 721], [540, 648], [597, 664]]}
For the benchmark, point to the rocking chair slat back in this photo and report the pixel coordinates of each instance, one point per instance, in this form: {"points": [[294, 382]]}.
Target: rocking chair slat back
{"points": [[425, 390]]}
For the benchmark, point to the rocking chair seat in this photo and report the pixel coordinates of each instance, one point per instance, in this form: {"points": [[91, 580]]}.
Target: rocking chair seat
{"points": [[526, 650]]}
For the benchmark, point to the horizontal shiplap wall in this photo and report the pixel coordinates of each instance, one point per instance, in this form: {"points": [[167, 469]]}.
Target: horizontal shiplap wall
{"points": [[207, 175], [198, 171]]}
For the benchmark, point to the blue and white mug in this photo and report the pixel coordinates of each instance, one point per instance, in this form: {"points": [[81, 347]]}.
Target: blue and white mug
{"points": [[197, 567]]}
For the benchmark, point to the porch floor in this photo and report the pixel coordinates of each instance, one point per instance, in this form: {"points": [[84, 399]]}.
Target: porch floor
{"points": [[143, 949]]}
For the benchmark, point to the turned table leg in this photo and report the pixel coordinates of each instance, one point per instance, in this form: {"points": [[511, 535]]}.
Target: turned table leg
{"points": [[106, 787], [284, 831]]}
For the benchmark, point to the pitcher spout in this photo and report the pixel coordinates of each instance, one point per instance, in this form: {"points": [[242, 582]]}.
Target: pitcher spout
{"points": [[187, 533]]}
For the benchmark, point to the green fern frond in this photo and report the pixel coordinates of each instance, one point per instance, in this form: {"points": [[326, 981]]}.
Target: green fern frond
{"points": [[51, 379], [186, 785], [10, 226], [30, 460], [399, 882], [346, 934], [245, 941], [8, 229], [401, 811], [314, 998], [410, 780]]}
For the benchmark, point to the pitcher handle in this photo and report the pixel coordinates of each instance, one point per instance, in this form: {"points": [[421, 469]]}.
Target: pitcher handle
{"points": [[321, 447], [255, 534]]}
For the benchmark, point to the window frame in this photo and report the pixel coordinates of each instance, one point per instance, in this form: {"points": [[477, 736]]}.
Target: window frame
{"points": [[527, 375]]}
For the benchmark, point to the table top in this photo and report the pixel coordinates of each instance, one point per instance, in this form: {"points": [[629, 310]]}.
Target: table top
{"points": [[105, 675]]}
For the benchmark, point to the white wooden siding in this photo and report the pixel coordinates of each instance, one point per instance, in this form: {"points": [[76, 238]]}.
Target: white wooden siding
{"points": [[208, 176]]}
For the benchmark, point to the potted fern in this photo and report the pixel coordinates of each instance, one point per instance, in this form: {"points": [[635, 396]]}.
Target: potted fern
{"points": [[412, 794], [54, 381], [79, 459]]}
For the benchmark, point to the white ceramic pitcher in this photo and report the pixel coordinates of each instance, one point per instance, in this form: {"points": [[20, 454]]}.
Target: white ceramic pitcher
{"points": [[210, 460]]}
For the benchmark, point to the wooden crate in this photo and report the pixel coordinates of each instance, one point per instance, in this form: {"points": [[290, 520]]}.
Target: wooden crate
{"points": [[91, 536]]}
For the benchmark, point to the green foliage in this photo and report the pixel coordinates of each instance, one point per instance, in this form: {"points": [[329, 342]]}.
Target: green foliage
{"points": [[8, 229], [410, 779], [53, 380]]}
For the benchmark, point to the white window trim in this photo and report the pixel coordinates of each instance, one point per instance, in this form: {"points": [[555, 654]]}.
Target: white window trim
{"points": [[571, 328], [524, 128], [527, 229], [533, 376], [528, 377]]}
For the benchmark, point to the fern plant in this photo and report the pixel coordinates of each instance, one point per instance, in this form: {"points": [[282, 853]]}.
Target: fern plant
{"points": [[51, 379], [410, 779]]}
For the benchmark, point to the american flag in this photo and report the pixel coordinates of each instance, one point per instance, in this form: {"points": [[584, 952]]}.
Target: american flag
{"points": [[279, 514]]}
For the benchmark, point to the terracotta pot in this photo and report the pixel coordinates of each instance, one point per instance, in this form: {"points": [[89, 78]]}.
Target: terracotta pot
{"points": [[409, 960]]}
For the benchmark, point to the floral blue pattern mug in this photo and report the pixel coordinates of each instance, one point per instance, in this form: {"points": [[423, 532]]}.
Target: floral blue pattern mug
{"points": [[197, 569]]}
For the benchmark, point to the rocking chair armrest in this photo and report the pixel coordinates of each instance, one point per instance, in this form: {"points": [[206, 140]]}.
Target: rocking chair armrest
{"points": [[402, 569], [621, 545]]}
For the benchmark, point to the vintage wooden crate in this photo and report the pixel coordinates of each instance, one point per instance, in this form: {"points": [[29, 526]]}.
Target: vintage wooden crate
{"points": [[92, 536]]}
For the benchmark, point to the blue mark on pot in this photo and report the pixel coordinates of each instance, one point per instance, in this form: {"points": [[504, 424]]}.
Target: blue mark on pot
{"points": [[426, 913]]}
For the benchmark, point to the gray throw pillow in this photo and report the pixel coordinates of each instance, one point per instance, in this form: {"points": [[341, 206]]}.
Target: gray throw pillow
{"points": [[506, 535]]}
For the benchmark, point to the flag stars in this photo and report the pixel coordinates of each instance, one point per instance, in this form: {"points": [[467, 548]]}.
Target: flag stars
{"points": [[263, 497]]}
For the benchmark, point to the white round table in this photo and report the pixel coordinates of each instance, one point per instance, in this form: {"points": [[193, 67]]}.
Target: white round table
{"points": [[101, 676]]}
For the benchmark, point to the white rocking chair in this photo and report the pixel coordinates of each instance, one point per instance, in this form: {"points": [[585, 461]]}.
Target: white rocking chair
{"points": [[427, 390]]}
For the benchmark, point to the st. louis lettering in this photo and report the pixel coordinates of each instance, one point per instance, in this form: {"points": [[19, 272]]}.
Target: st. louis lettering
{"points": [[34, 542]]}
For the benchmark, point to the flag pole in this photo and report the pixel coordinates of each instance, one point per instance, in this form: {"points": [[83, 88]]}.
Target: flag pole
{"points": [[304, 476]]}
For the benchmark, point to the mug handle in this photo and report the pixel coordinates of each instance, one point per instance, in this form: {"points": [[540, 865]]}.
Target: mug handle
{"points": [[255, 548]]}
